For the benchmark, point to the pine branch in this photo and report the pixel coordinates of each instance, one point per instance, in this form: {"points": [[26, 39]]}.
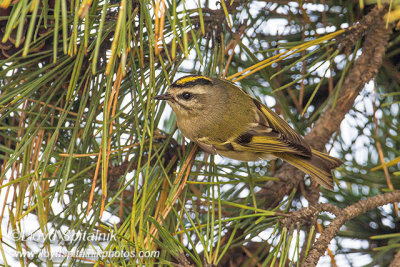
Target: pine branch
{"points": [[345, 215], [307, 213], [396, 260], [365, 68]]}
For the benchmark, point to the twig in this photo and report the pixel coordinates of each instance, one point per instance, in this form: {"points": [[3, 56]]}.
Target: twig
{"points": [[396, 260], [183, 261], [345, 215], [234, 43], [330, 254], [358, 30], [310, 212]]}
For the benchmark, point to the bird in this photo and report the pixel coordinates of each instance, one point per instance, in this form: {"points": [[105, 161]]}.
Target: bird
{"points": [[223, 119]]}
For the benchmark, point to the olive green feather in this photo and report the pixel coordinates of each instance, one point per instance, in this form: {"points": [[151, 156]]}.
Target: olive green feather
{"points": [[224, 120]]}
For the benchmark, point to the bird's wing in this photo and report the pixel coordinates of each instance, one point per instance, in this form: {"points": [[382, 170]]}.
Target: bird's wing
{"points": [[269, 134], [257, 139], [260, 142], [285, 134]]}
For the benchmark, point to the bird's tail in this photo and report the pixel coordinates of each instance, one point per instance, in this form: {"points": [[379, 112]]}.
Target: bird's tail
{"points": [[319, 166]]}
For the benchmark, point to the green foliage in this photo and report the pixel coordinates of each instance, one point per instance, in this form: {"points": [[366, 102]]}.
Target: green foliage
{"points": [[84, 147]]}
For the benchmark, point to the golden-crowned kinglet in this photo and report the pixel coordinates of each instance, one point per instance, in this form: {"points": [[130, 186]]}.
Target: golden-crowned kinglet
{"points": [[223, 119]]}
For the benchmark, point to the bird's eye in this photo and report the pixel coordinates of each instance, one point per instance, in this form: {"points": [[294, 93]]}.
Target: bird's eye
{"points": [[186, 96]]}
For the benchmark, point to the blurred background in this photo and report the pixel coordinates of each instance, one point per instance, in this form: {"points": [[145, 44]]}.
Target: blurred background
{"points": [[85, 148]]}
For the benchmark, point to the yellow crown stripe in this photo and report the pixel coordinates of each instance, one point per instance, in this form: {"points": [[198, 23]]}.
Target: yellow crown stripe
{"points": [[185, 80]]}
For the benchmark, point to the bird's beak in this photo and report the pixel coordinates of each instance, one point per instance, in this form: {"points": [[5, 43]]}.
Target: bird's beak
{"points": [[163, 97]]}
